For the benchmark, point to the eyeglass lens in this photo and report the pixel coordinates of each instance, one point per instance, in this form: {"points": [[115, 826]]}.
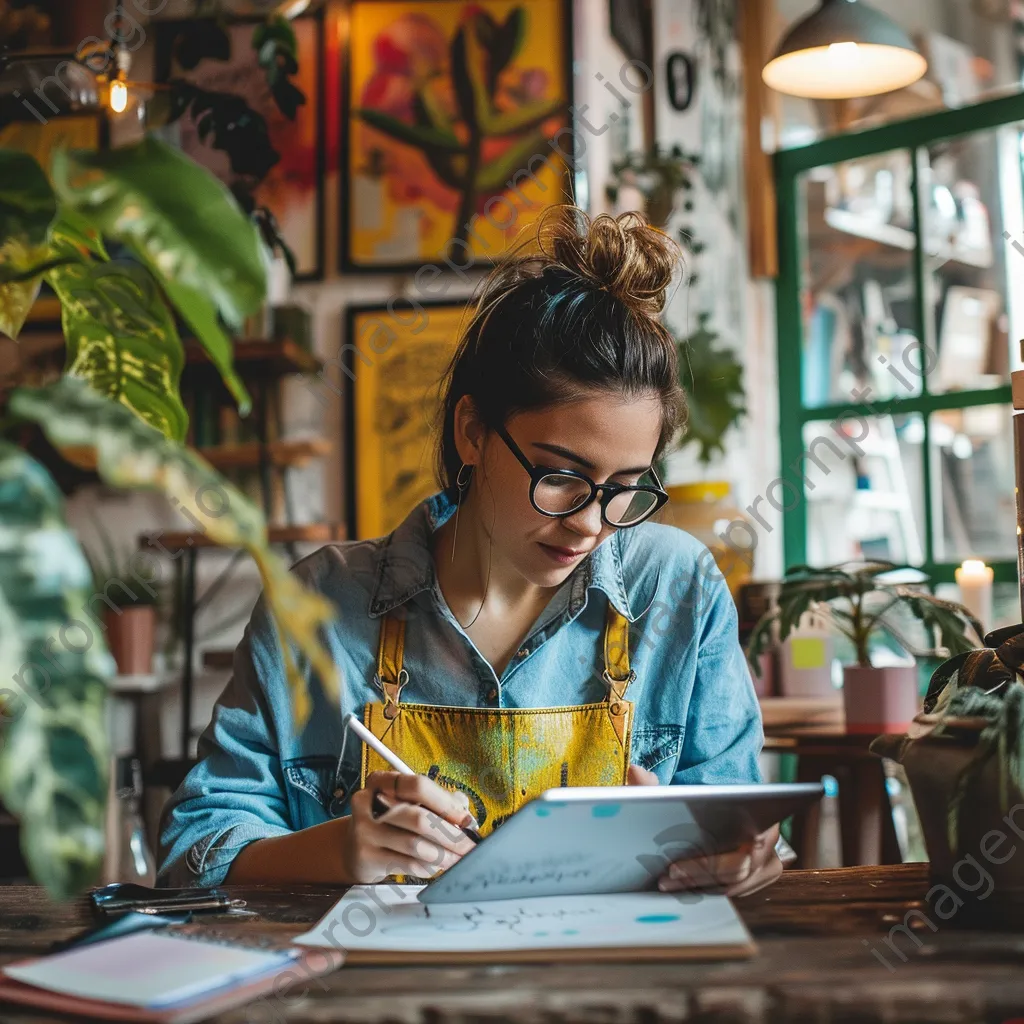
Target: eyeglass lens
{"points": [[558, 494]]}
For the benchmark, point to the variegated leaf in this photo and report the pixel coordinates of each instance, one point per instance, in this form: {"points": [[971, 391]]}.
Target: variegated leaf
{"points": [[122, 339], [53, 748]]}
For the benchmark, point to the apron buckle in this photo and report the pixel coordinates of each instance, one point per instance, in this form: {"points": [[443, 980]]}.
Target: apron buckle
{"points": [[615, 684], [391, 691]]}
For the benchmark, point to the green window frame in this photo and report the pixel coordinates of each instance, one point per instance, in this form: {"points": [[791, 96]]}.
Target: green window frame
{"points": [[789, 164]]}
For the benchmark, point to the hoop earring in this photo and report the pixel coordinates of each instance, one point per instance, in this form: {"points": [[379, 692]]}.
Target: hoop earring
{"points": [[462, 485]]}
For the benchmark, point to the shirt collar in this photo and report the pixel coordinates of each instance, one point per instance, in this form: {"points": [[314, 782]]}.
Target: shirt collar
{"points": [[406, 566]]}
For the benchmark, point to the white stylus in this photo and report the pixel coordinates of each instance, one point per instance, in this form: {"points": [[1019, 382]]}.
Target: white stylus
{"points": [[353, 723]]}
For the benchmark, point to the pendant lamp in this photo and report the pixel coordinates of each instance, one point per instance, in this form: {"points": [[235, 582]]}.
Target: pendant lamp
{"points": [[842, 50]]}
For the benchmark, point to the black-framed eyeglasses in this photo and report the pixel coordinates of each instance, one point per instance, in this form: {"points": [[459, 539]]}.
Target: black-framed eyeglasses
{"points": [[564, 492]]}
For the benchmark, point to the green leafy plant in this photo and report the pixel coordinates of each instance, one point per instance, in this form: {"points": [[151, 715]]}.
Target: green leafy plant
{"points": [[185, 249], [53, 743], [453, 142], [859, 603], [194, 253], [712, 378], [660, 175], [983, 689]]}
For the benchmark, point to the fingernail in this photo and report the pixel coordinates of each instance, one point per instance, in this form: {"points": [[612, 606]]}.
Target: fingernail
{"points": [[745, 868], [679, 872]]}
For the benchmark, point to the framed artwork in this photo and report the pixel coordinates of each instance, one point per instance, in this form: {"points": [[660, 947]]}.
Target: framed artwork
{"points": [[397, 355], [450, 120], [292, 189]]}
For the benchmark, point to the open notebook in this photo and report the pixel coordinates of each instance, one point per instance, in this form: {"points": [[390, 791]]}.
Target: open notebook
{"points": [[388, 924], [161, 976]]}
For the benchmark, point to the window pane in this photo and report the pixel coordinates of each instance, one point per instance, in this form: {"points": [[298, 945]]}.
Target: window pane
{"points": [[859, 323], [1005, 602], [971, 193], [973, 482], [864, 490]]}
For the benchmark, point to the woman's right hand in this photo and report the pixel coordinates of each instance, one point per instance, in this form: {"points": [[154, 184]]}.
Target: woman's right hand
{"points": [[418, 834]]}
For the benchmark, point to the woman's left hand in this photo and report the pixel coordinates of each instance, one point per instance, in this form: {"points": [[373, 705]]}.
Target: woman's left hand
{"points": [[735, 873]]}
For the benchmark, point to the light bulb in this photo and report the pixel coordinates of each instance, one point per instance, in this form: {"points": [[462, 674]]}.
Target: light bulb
{"points": [[846, 52], [118, 96]]}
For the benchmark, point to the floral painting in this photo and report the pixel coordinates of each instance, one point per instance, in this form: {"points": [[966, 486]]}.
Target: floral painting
{"points": [[452, 115]]}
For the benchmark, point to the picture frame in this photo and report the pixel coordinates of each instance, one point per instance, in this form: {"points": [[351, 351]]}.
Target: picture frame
{"points": [[293, 189], [393, 358], [396, 211]]}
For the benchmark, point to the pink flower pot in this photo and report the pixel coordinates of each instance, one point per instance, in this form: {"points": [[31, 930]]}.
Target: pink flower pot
{"points": [[880, 700]]}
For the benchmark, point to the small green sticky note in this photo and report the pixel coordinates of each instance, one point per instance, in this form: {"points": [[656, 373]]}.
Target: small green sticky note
{"points": [[807, 652]]}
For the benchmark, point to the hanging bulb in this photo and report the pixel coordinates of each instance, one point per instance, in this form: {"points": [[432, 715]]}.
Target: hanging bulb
{"points": [[118, 96]]}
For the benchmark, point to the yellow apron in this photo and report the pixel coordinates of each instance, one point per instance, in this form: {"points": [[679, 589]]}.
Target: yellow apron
{"points": [[502, 758]]}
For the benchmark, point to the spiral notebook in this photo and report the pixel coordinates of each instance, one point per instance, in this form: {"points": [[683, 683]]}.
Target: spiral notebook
{"points": [[165, 976]]}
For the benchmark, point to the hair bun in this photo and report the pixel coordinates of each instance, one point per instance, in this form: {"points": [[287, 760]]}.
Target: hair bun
{"points": [[625, 256]]}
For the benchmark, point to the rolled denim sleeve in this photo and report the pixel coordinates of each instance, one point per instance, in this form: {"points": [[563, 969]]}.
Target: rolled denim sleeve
{"points": [[235, 795], [723, 734]]}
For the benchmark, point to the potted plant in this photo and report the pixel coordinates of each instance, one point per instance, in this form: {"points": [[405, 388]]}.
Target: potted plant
{"points": [[964, 759], [129, 597], [865, 601], [183, 251]]}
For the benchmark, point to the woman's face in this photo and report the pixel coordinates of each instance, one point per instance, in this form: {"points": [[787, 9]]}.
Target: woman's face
{"points": [[608, 438]]}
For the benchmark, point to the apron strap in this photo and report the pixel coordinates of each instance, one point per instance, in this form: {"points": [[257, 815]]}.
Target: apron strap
{"points": [[391, 677], [617, 673]]}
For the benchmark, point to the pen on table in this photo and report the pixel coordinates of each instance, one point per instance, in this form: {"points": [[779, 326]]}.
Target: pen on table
{"points": [[353, 723]]}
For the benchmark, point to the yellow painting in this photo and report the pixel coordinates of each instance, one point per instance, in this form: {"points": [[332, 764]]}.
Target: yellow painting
{"points": [[397, 361], [456, 120], [40, 140]]}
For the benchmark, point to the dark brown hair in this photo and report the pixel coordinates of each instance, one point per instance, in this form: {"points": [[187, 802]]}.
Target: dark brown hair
{"points": [[575, 307]]}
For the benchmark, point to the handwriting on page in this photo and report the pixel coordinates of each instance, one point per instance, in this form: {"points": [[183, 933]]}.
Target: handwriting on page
{"points": [[522, 921]]}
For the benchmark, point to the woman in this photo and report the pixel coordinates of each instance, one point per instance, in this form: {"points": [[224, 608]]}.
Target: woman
{"points": [[525, 628]]}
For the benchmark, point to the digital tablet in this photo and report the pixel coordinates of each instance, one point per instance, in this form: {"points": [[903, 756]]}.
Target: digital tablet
{"points": [[613, 838]]}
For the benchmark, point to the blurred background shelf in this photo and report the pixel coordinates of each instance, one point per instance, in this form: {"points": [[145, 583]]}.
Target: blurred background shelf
{"points": [[250, 454], [308, 533]]}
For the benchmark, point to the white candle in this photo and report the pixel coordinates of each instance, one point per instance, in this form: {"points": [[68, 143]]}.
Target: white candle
{"points": [[974, 578]]}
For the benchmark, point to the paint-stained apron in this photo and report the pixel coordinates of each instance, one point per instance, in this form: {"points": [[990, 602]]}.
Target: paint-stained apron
{"points": [[502, 758]]}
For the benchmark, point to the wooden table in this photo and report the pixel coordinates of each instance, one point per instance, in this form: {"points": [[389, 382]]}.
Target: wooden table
{"points": [[812, 966]]}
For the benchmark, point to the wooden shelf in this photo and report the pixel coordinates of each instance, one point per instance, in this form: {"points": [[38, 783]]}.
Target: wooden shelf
{"points": [[254, 357], [282, 453], [310, 533]]}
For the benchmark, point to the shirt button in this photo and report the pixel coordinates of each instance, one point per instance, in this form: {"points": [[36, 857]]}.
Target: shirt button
{"points": [[523, 652], [492, 694]]}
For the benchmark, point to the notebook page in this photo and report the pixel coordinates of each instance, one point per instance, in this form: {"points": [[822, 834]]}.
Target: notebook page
{"points": [[386, 918], [145, 969]]}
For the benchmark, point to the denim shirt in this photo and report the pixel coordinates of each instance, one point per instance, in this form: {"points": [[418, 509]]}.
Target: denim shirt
{"points": [[696, 717]]}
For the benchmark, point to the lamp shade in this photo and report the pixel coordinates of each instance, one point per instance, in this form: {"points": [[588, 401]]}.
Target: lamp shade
{"points": [[844, 49]]}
